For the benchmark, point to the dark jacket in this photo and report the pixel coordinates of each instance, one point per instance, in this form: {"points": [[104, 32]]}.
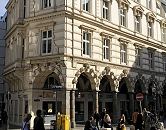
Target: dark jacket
{"points": [[39, 123]]}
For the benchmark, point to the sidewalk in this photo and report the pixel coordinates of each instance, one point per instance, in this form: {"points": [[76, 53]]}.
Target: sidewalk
{"points": [[78, 127]]}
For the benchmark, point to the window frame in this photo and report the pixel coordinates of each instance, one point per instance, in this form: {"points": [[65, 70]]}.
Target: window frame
{"points": [[151, 59], [105, 10], [123, 17], [47, 5], [164, 62], [106, 49], [123, 53], [47, 44], [86, 5], [138, 57], [86, 43], [150, 29], [149, 4], [163, 34], [137, 23]]}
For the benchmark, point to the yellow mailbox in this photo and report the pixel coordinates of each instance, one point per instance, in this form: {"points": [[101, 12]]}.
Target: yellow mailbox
{"points": [[65, 122]]}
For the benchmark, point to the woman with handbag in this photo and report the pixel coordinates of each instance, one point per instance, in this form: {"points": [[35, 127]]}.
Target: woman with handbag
{"points": [[121, 124]]}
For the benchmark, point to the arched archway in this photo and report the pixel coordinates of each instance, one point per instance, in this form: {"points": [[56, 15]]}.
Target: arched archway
{"points": [[105, 94], [123, 88], [138, 86], [105, 85], [52, 79], [84, 104], [124, 97], [83, 83]]}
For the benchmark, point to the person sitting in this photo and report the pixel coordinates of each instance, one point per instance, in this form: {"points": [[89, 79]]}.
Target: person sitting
{"points": [[107, 121]]}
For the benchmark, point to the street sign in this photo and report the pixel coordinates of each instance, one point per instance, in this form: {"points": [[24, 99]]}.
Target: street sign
{"points": [[139, 96], [56, 87]]}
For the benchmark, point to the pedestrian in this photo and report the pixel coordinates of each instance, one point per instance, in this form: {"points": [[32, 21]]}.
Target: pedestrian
{"points": [[134, 117], [97, 118], [38, 121], [4, 116], [107, 121], [146, 119], [26, 123], [102, 116], [139, 121], [89, 124], [121, 124]]}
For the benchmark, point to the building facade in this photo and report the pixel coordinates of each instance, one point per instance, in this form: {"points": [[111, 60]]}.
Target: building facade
{"points": [[2, 62], [99, 53]]}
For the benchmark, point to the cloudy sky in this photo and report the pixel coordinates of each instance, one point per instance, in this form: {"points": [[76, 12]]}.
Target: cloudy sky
{"points": [[2, 6]]}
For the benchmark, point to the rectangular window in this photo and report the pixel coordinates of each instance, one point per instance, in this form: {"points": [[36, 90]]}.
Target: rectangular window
{"points": [[47, 3], [86, 4], [123, 53], [137, 23], [151, 60], [164, 63], [106, 49], [123, 17], [86, 43], [24, 15], [150, 29], [138, 56], [46, 41], [163, 34], [105, 9], [149, 4]]}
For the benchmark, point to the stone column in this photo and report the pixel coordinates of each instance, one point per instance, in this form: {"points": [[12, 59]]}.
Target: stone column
{"points": [[131, 98], [72, 108], [116, 106], [96, 101]]}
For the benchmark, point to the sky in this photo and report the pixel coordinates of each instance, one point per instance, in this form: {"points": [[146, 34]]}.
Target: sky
{"points": [[2, 6]]}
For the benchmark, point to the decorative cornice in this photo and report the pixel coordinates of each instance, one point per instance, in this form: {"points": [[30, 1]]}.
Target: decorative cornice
{"points": [[123, 40], [87, 28], [123, 4], [138, 45], [138, 10], [108, 35], [150, 17], [163, 23]]}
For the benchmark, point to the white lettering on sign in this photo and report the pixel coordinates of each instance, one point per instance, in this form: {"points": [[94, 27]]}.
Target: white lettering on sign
{"points": [[56, 87]]}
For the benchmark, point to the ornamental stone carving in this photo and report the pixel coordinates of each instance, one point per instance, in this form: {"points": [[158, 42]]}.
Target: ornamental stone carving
{"points": [[111, 77], [142, 78], [92, 74], [47, 68]]}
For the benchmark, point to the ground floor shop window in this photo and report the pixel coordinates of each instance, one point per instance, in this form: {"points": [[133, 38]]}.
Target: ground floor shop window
{"points": [[79, 111], [49, 107]]}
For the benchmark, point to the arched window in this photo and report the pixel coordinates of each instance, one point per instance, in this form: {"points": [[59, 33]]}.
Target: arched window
{"points": [[105, 85], [52, 79], [83, 83], [123, 86]]}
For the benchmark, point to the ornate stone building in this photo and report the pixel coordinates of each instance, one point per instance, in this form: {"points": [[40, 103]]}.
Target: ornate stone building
{"points": [[102, 52], [3, 87]]}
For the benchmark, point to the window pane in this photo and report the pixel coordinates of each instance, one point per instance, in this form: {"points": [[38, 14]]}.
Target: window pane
{"points": [[84, 47], [50, 33], [44, 47], [49, 3], [45, 34], [49, 45]]}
